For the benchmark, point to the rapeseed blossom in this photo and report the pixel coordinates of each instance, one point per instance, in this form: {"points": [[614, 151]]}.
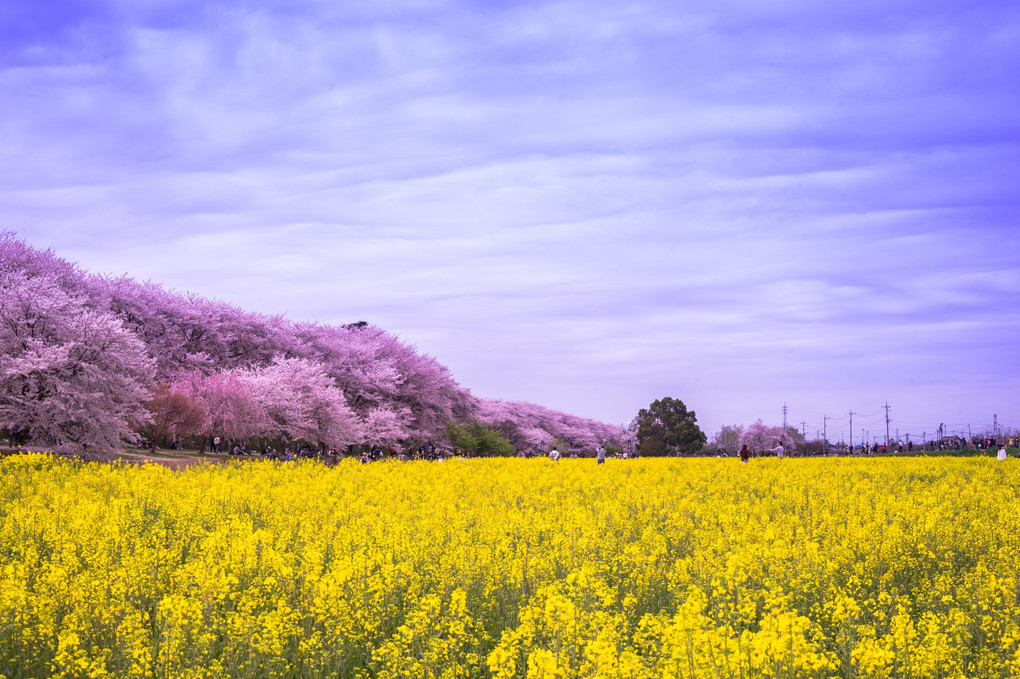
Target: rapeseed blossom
{"points": [[511, 569]]}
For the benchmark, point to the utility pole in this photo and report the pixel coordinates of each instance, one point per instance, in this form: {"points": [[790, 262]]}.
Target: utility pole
{"points": [[784, 423], [825, 433], [995, 424], [851, 430], [887, 424], [803, 429]]}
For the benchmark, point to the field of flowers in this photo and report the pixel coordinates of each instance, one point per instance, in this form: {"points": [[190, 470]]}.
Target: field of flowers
{"points": [[511, 568]]}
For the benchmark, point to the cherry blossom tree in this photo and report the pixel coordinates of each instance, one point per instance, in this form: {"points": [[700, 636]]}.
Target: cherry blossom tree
{"points": [[430, 392], [532, 441], [531, 427], [186, 331], [760, 437], [16, 256], [303, 404], [375, 369], [254, 375], [362, 360], [71, 375], [387, 425], [233, 411]]}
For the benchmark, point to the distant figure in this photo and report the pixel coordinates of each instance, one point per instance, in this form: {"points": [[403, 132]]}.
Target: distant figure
{"points": [[745, 453], [1002, 454], [778, 450], [554, 455], [601, 454]]}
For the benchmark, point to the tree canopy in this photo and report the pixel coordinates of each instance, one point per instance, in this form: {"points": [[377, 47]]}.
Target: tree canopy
{"points": [[477, 439], [87, 361], [666, 427], [760, 437], [71, 376]]}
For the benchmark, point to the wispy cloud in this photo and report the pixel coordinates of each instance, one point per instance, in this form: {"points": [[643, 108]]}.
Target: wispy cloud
{"points": [[585, 205]]}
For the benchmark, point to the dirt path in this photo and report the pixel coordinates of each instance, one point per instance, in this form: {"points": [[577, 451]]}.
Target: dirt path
{"points": [[171, 459], [175, 459]]}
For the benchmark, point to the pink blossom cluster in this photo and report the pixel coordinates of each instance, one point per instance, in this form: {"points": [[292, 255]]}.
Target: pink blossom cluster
{"points": [[535, 429], [760, 437], [84, 356]]}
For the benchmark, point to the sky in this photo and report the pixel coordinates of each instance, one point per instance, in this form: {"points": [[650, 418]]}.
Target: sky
{"points": [[588, 205]]}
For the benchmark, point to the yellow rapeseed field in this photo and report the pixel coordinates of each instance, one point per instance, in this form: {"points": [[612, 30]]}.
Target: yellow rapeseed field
{"points": [[511, 568]]}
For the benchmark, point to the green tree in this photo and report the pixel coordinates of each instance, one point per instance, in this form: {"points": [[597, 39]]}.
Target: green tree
{"points": [[652, 447], [666, 427], [477, 439]]}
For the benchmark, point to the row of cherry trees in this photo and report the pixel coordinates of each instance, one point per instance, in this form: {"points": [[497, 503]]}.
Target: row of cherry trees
{"points": [[89, 361], [758, 437], [531, 427]]}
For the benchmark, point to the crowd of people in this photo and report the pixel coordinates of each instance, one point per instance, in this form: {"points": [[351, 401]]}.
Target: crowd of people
{"points": [[424, 451], [430, 452], [952, 444], [600, 455]]}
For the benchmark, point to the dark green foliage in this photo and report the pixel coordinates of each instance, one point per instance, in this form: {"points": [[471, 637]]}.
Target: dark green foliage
{"points": [[652, 447], [666, 427], [477, 439]]}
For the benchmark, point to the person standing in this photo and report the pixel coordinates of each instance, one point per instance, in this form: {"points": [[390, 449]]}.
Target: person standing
{"points": [[745, 453], [778, 450], [601, 454], [554, 455], [1002, 454]]}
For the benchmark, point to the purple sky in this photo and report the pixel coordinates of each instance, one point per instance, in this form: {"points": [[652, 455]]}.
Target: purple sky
{"points": [[588, 205]]}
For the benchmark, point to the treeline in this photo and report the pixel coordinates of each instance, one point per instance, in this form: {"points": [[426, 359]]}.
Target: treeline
{"points": [[89, 363]]}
